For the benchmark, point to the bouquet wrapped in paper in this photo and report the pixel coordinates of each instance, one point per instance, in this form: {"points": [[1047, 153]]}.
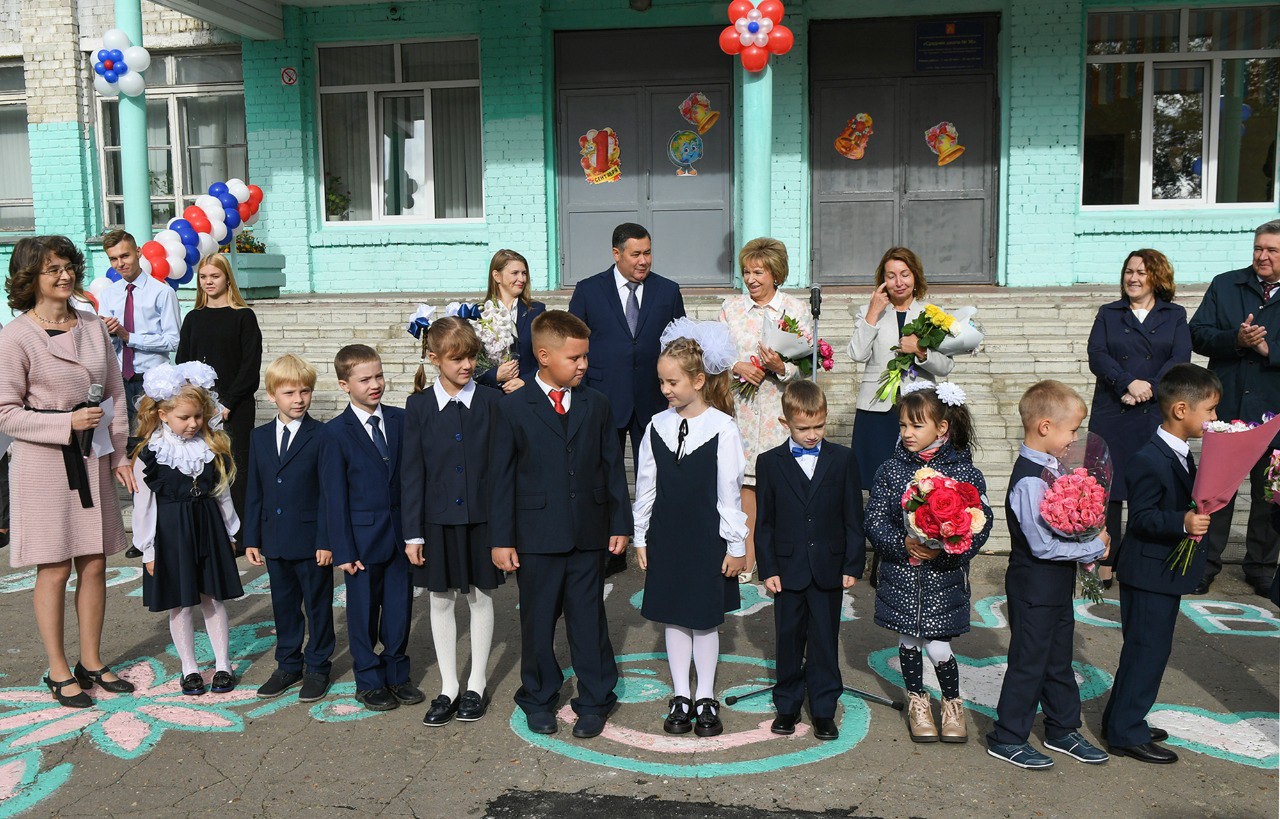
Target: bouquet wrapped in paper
{"points": [[1075, 504], [934, 329], [794, 342], [941, 512], [494, 324]]}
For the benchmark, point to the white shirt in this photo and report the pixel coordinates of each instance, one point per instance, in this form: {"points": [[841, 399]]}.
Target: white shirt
{"points": [[364, 420], [1180, 447], [547, 388], [293, 427], [731, 464], [1140, 314], [808, 463], [463, 397], [156, 320], [624, 293]]}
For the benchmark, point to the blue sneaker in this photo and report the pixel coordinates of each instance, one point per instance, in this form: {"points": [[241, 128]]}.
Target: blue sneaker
{"points": [[1024, 756], [1077, 747]]}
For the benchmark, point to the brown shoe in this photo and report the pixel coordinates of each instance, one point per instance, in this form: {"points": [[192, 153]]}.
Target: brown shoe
{"points": [[920, 718], [953, 729]]}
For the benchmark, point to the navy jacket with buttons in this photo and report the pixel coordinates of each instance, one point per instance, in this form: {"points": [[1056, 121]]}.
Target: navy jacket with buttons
{"points": [[284, 508], [362, 492], [442, 472], [1159, 498], [1121, 350], [1250, 383]]}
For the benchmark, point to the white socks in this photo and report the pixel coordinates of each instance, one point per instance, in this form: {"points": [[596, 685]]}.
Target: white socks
{"points": [[183, 630], [444, 633], [702, 647], [939, 651]]}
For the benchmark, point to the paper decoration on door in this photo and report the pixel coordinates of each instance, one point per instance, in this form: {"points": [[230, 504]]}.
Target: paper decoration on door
{"points": [[600, 155], [685, 148], [945, 142], [696, 109], [857, 132]]}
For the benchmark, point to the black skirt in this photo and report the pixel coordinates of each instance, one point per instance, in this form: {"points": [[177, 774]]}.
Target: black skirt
{"points": [[874, 436], [457, 558]]}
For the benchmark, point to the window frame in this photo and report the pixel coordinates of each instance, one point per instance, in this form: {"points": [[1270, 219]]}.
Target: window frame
{"points": [[9, 98], [374, 94], [1211, 62]]}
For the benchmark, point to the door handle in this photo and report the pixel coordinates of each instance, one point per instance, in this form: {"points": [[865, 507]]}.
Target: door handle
{"points": [[648, 184]]}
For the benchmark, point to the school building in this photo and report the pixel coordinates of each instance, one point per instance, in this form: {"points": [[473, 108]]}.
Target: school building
{"points": [[1009, 142]]}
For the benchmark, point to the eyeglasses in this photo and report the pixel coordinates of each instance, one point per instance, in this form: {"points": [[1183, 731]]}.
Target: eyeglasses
{"points": [[57, 272]]}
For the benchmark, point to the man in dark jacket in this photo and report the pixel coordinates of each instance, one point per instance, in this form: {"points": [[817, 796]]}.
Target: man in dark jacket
{"points": [[1238, 327]]}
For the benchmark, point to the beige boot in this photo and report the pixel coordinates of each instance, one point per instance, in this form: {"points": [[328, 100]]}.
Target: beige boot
{"points": [[920, 718], [953, 728]]}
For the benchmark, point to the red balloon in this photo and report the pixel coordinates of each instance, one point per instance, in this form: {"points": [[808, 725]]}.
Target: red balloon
{"points": [[108, 65], [244, 210], [160, 270], [253, 207], [192, 213], [781, 39], [729, 42], [200, 224], [754, 58], [153, 250], [255, 196], [739, 9], [771, 9]]}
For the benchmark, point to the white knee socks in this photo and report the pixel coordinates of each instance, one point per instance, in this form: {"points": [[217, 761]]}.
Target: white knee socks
{"points": [[702, 647], [444, 633], [706, 654], [679, 655], [183, 630], [481, 603]]}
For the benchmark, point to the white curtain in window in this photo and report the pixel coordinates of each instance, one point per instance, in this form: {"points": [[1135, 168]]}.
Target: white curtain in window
{"points": [[455, 126], [211, 124], [15, 170], [344, 130]]}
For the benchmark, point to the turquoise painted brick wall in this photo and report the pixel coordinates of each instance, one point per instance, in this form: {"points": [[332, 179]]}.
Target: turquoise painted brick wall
{"points": [[60, 182]]}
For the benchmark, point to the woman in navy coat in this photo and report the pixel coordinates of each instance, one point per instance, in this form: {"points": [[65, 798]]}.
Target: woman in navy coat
{"points": [[509, 287], [1133, 343]]}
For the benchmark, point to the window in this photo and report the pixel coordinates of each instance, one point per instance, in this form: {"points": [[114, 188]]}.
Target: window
{"points": [[17, 213], [1181, 106], [195, 133], [400, 131]]}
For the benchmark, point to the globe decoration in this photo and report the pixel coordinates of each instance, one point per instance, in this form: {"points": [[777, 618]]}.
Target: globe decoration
{"points": [[683, 149]]}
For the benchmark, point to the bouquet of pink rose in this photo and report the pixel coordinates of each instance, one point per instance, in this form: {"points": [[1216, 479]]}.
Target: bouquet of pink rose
{"points": [[943, 511], [1272, 489], [1075, 504], [794, 343]]}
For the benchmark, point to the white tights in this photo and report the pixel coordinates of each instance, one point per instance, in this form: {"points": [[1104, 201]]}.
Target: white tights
{"points": [[700, 646], [444, 633], [182, 628], [939, 651]]}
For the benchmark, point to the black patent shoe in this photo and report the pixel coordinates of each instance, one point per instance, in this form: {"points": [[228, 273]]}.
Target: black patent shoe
{"points": [[193, 685], [133, 553], [708, 722], [81, 700], [441, 711], [472, 706], [223, 682], [679, 716], [88, 679]]}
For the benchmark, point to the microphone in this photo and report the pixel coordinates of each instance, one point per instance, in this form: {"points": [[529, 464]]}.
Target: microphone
{"points": [[815, 299], [94, 399]]}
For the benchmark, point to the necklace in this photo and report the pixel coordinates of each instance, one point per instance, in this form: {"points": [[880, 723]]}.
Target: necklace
{"points": [[44, 320]]}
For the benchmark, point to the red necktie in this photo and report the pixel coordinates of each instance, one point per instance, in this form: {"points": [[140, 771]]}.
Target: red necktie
{"points": [[127, 356], [1268, 288], [557, 397]]}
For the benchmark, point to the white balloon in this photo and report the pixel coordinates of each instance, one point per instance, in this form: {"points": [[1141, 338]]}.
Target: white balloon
{"points": [[137, 58], [103, 87], [253, 220], [219, 232], [761, 40], [170, 241], [116, 40], [177, 262], [766, 25], [741, 25], [754, 15], [208, 245], [98, 285], [216, 213], [132, 84], [143, 262], [238, 189], [204, 201], [746, 38]]}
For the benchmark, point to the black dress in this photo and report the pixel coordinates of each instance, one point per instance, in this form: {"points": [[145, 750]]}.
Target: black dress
{"points": [[193, 553], [684, 585], [228, 339]]}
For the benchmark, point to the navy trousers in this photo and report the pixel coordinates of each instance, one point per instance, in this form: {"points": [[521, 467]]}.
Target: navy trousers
{"points": [[1147, 620], [379, 606], [302, 595], [1039, 674], [807, 624]]}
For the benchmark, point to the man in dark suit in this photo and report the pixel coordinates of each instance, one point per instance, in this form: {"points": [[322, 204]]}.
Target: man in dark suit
{"points": [[1238, 327], [558, 499], [284, 523], [810, 547], [360, 477], [1160, 480]]}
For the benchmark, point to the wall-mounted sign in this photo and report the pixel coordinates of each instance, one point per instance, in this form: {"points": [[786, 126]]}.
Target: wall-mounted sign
{"points": [[960, 45], [600, 155]]}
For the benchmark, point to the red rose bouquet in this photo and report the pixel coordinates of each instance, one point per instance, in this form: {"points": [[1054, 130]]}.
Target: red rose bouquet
{"points": [[1075, 504], [942, 512]]}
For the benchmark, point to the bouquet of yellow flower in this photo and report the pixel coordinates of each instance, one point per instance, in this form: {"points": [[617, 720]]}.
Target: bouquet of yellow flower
{"points": [[933, 326]]}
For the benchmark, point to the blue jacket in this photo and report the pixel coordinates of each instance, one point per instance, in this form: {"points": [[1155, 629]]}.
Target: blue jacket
{"points": [[524, 343], [1159, 498], [625, 369], [442, 472], [930, 600], [361, 492], [1250, 383], [1122, 349], [284, 513]]}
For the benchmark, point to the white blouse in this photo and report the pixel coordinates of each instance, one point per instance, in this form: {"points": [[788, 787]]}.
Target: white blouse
{"points": [[731, 464], [189, 458]]}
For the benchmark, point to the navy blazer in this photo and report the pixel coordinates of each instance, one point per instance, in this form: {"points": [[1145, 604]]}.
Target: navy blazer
{"points": [[625, 369], [525, 314], [1250, 383], [809, 530], [283, 507], [442, 470], [1159, 499], [555, 483], [361, 492], [1122, 349]]}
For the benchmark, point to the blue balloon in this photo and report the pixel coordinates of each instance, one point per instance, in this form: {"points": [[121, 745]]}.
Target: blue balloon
{"points": [[103, 55], [99, 69], [189, 237], [228, 201], [233, 220], [121, 68], [109, 76], [186, 277], [117, 54], [113, 275], [217, 189], [171, 283], [178, 224], [193, 254]]}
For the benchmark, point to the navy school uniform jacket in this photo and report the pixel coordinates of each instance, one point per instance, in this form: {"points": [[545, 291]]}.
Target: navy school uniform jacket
{"points": [[1159, 499], [525, 314], [442, 472], [284, 513], [361, 492]]}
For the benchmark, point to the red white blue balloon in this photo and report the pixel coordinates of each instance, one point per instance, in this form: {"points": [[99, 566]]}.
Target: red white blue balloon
{"points": [[119, 66]]}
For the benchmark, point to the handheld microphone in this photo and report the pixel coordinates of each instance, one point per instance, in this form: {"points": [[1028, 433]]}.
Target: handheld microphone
{"points": [[815, 299], [94, 399]]}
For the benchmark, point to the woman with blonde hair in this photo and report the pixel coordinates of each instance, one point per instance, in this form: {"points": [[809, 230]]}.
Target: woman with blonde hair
{"points": [[509, 287]]}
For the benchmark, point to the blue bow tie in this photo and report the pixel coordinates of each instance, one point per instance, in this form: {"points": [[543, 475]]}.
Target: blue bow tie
{"points": [[800, 451]]}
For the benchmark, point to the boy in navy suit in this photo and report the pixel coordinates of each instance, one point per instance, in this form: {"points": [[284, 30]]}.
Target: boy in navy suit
{"points": [[558, 505], [284, 523], [1040, 584], [1159, 480], [360, 478], [810, 548]]}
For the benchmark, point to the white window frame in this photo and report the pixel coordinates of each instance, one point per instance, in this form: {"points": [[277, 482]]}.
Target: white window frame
{"points": [[173, 94], [17, 98], [374, 93], [1211, 61]]}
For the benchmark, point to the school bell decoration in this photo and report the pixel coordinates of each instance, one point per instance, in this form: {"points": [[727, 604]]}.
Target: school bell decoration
{"points": [[119, 67], [755, 33]]}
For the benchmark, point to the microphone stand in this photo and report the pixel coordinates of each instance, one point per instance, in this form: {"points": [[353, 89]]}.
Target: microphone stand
{"points": [[815, 310]]}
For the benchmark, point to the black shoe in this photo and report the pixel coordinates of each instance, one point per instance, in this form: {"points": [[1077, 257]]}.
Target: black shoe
{"points": [[4, 538], [825, 728], [1157, 734], [441, 711], [1261, 587], [81, 700], [589, 725], [1146, 752], [615, 564], [193, 685], [542, 722], [1203, 586], [407, 694], [1106, 584], [679, 716], [784, 724], [378, 699], [708, 720], [472, 706], [133, 552], [223, 682], [87, 679], [278, 683], [314, 686]]}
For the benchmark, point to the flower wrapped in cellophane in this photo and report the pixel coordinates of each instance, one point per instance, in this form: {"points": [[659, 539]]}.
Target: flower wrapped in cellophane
{"points": [[1075, 504]]}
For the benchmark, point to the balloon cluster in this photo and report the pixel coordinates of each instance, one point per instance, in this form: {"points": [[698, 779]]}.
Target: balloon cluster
{"points": [[120, 65], [757, 32], [213, 221]]}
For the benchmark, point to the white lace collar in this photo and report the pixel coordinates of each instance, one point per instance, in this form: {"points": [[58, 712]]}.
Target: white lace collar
{"points": [[186, 456]]}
